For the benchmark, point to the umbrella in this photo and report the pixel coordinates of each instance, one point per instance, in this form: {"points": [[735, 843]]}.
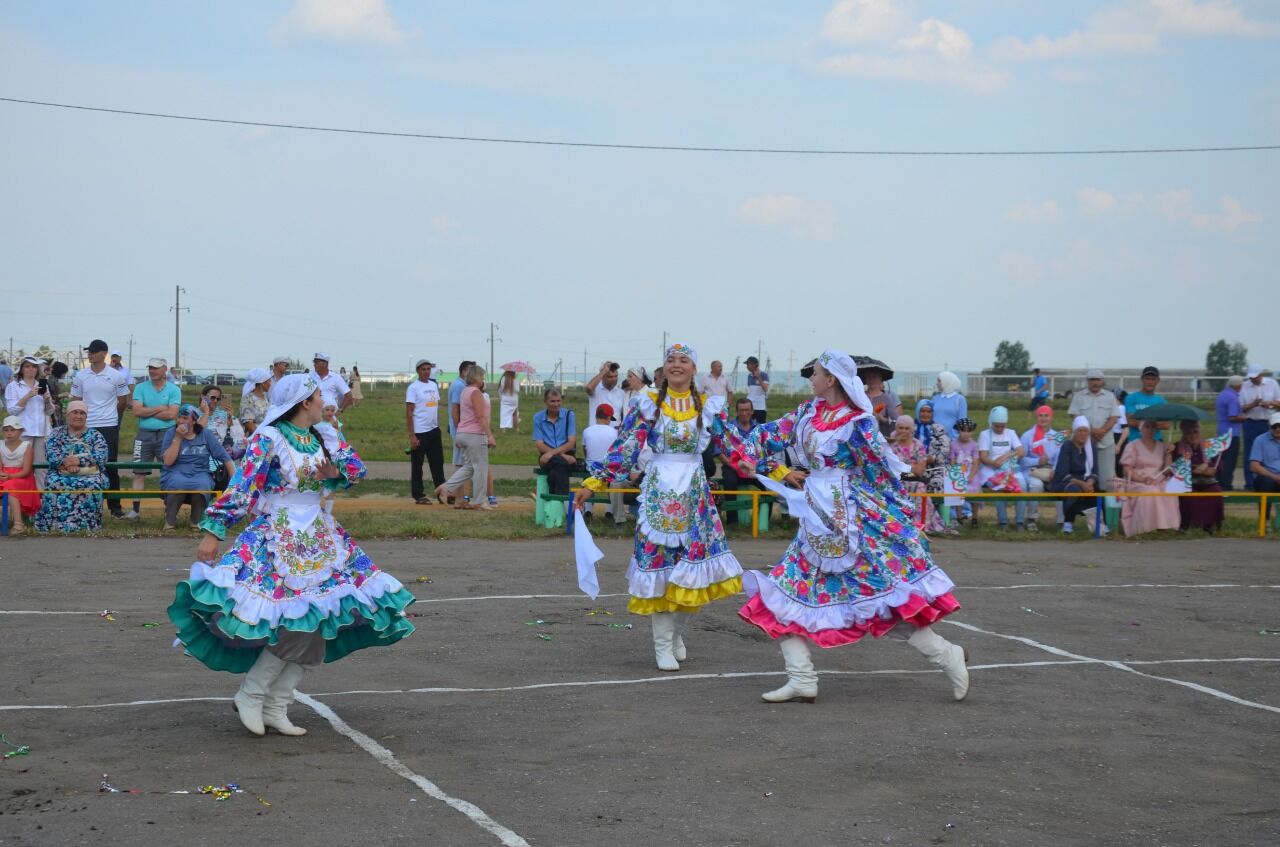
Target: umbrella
{"points": [[519, 366], [1170, 412], [866, 363]]}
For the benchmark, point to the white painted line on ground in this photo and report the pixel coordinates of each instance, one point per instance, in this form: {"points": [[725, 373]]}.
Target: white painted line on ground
{"points": [[39, 612], [14, 708], [386, 758], [1109, 587], [1120, 666], [584, 598]]}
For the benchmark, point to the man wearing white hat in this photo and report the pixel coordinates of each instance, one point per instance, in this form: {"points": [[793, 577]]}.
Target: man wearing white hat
{"points": [[279, 367], [155, 405], [1099, 406], [117, 362], [1264, 461], [422, 420], [1259, 397], [333, 387]]}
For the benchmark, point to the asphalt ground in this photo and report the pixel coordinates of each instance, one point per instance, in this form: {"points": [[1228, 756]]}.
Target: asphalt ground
{"points": [[1122, 695]]}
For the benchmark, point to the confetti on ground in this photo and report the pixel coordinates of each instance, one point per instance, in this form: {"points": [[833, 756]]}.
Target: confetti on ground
{"points": [[1033, 612], [218, 792], [591, 612], [150, 625], [613, 625], [107, 614], [17, 749], [544, 636], [423, 579]]}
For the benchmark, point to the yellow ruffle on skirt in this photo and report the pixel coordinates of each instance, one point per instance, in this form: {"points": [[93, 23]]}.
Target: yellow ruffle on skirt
{"points": [[680, 599]]}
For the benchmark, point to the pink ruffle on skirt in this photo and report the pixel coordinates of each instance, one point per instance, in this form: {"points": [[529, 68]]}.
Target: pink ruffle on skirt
{"points": [[916, 611]]}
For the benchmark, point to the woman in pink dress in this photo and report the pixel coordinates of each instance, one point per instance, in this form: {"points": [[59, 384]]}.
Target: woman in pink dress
{"points": [[1146, 468]]}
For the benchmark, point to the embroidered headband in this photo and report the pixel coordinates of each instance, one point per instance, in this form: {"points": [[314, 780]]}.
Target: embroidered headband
{"points": [[681, 349]]}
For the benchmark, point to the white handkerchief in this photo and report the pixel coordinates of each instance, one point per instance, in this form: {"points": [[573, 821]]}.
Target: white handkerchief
{"points": [[587, 554], [797, 505]]}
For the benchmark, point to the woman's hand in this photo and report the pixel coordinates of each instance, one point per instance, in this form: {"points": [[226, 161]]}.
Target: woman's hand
{"points": [[583, 495], [70, 464], [326, 470], [208, 549], [796, 479], [745, 469]]}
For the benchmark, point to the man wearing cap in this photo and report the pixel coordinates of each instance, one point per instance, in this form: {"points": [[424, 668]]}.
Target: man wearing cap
{"points": [[117, 362], [333, 388], [155, 404], [757, 389], [1098, 405], [422, 419], [1136, 401], [596, 441], [279, 368], [105, 394], [1230, 418], [1259, 397], [1264, 460]]}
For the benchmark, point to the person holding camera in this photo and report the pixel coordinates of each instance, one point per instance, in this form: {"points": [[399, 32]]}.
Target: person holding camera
{"points": [[604, 388], [25, 397]]}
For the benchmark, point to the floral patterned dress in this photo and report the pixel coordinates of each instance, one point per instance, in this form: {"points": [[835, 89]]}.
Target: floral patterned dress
{"points": [[293, 569], [857, 565], [681, 559], [910, 453], [72, 502]]}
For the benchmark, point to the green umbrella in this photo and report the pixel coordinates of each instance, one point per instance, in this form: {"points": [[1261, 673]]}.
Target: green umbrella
{"points": [[1170, 412]]}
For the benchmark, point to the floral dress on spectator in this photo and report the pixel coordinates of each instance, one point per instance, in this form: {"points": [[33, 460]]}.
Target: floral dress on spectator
{"points": [[910, 453], [857, 565], [72, 502], [681, 560], [293, 569], [253, 407]]}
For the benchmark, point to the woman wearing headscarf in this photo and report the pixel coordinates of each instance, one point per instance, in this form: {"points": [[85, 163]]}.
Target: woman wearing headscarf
{"points": [[1040, 446], [1074, 472], [911, 450], [253, 399], [937, 446], [999, 453], [292, 590], [187, 451], [1205, 513], [72, 501], [949, 405], [857, 566]]}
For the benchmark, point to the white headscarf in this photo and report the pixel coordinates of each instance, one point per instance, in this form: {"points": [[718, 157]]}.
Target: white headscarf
{"points": [[681, 349], [1081, 422], [251, 380], [841, 366], [288, 392], [949, 382]]}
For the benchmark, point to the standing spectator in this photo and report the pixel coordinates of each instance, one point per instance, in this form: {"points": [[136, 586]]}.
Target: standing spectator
{"points": [[117, 362], [253, 399], [508, 402], [279, 368], [596, 441], [715, 383], [1204, 513], [1040, 446], [57, 372], [6, 372], [757, 389], [475, 437], [949, 404], [357, 386], [1259, 397], [216, 419], [1074, 472], [187, 452], [1099, 406], [604, 388], [1039, 390], [743, 421], [1264, 460], [77, 452], [1000, 453], [155, 403], [659, 378], [636, 382], [16, 476], [1230, 419], [105, 394], [333, 388], [1139, 400], [26, 396], [885, 405], [422, 419], [456, 387], [555, 434]]}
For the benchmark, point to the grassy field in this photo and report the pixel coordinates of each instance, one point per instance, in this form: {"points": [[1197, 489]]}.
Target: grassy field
{"points": [[377, 427]]}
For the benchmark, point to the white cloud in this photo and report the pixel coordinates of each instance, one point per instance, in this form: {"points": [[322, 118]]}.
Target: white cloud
{"points": [[1094, 201], [1033, 212], [369, 21], [1178, 206], [858, 21], [800, 217], [1136, 27]]}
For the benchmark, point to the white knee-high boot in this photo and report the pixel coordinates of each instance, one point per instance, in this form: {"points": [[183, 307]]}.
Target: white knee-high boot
{"points": [[275, 708], [802, 679], [677, 642], [253, 691], [664, 631], [950, 657]]}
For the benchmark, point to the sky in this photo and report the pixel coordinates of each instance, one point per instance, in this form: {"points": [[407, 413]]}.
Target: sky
{"points": [[382, 250]]}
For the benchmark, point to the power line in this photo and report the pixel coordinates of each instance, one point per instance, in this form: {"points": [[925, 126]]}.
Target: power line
{"points": [[673, 148]]}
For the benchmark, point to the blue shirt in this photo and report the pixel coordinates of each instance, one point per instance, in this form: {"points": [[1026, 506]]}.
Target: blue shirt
{"points": [[1136, 402], [947, 409], [455, 399], [191, 470], [6, 374], [554, 433], [146, 394], [1228, 407], [1041, 387], [1266, 451]]}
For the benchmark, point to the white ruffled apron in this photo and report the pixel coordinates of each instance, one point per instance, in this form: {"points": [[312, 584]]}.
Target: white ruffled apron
{"points": [[305, 546], [669, 498]]}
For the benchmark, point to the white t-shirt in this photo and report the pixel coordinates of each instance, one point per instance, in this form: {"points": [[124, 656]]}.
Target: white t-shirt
{"points": [[425, 397], [715, 386], [755, 393], [128, 375], [596, 441], [332, 388], [996, 445], [1122, 420], [615, 397], [99, 392]]}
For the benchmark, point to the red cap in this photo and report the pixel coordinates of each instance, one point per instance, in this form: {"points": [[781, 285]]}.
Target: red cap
{"points": [[605, 408]]}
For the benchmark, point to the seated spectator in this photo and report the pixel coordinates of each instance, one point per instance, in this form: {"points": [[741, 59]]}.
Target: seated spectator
{"points": [[964, 464], [743, 421], [186, 453], [77, 475], [1000, 452], [1204, 513], [1259, 398], [555, 434], [475, 438], [911, 450], [1039, 453], [1264, 461], [596, 441], [937, 447], [1075, 473], [16, 476], [1145, 464]]}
